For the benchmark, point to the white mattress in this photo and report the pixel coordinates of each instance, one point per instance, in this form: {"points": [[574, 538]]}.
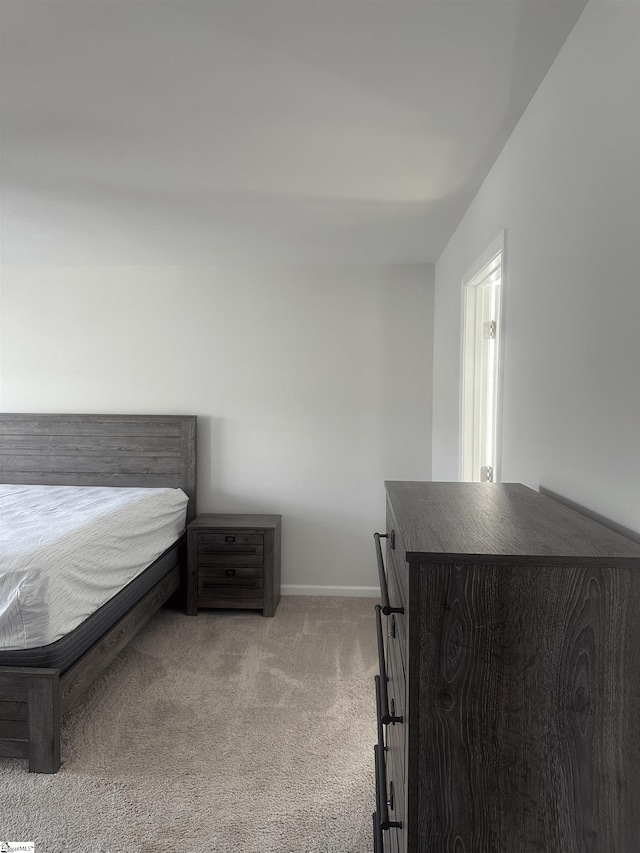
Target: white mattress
{"points": [[66, 550]]}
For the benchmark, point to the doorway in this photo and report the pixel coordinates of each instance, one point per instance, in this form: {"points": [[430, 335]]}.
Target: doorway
{"points": [[481, 366]]}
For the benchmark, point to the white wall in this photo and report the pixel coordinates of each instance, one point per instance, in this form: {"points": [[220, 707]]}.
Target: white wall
{"points": [[566, 187], [311, 384]]}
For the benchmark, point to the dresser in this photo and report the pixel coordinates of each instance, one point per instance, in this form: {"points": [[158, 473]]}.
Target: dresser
{"points": [[233, 561], [508, 697]]}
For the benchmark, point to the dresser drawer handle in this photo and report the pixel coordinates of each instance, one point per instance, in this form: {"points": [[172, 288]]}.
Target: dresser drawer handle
{"points": [[229, 573], [229, 538], [386, 716], [384, 591]]}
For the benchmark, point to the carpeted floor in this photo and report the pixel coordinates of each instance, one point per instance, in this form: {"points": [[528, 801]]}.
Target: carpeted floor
{"points": [[225, 733]]}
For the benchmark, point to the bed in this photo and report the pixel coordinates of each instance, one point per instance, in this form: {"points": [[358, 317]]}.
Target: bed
{"points": [[125, 451]]}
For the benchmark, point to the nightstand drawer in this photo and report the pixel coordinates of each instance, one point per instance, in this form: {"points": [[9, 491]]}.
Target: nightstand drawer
{"points": [[233, 588], [207, 560], [225, 542], [230, 596], [230, 549], [229, 576]]}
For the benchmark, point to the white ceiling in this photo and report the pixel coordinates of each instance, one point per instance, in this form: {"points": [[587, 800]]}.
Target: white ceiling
{"points": [[304, 131]]}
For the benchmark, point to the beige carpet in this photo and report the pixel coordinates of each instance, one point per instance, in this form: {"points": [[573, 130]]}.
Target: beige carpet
{"points": [[219, 733]]}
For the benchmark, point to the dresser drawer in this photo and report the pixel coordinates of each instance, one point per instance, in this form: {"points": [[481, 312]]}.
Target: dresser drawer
{"points": [[397, 684], [388, 586], [389, 786], [395, 731], [385, 840], [397, 637], [398, 569], [396, 598]]}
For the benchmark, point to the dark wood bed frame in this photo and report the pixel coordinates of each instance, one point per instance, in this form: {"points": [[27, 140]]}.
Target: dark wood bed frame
{"points": [[86, 450]]}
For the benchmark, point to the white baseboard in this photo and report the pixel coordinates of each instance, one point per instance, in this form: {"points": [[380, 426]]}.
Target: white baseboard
{"points": [[343, 591]]}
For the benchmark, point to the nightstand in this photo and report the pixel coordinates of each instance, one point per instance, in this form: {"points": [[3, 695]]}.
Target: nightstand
{"points": [[233, 562]]}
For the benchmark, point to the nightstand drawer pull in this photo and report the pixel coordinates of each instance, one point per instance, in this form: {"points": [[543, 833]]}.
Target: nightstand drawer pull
{"points": [[229, 573], [229, 538]]}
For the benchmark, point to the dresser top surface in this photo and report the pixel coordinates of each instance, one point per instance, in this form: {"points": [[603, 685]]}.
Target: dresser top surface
{"points": [[490, 519]]}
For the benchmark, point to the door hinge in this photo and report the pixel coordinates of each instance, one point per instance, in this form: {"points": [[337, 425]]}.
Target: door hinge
{"points": [[489, 330], [486, 474]]}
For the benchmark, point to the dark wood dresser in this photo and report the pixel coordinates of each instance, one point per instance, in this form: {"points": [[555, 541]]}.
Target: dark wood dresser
{"points": [[508, 698], [234, 561]]}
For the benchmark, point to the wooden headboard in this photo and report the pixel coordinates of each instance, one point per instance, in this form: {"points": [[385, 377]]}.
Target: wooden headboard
{"points": [[100, 450]]}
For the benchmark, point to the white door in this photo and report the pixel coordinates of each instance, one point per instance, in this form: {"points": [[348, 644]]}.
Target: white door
{"points": [[481, 338]]}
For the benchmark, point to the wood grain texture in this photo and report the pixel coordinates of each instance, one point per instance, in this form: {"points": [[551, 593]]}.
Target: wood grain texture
{"points": [[522, 680], [13, 710], [527, 682], [14, 748]]}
